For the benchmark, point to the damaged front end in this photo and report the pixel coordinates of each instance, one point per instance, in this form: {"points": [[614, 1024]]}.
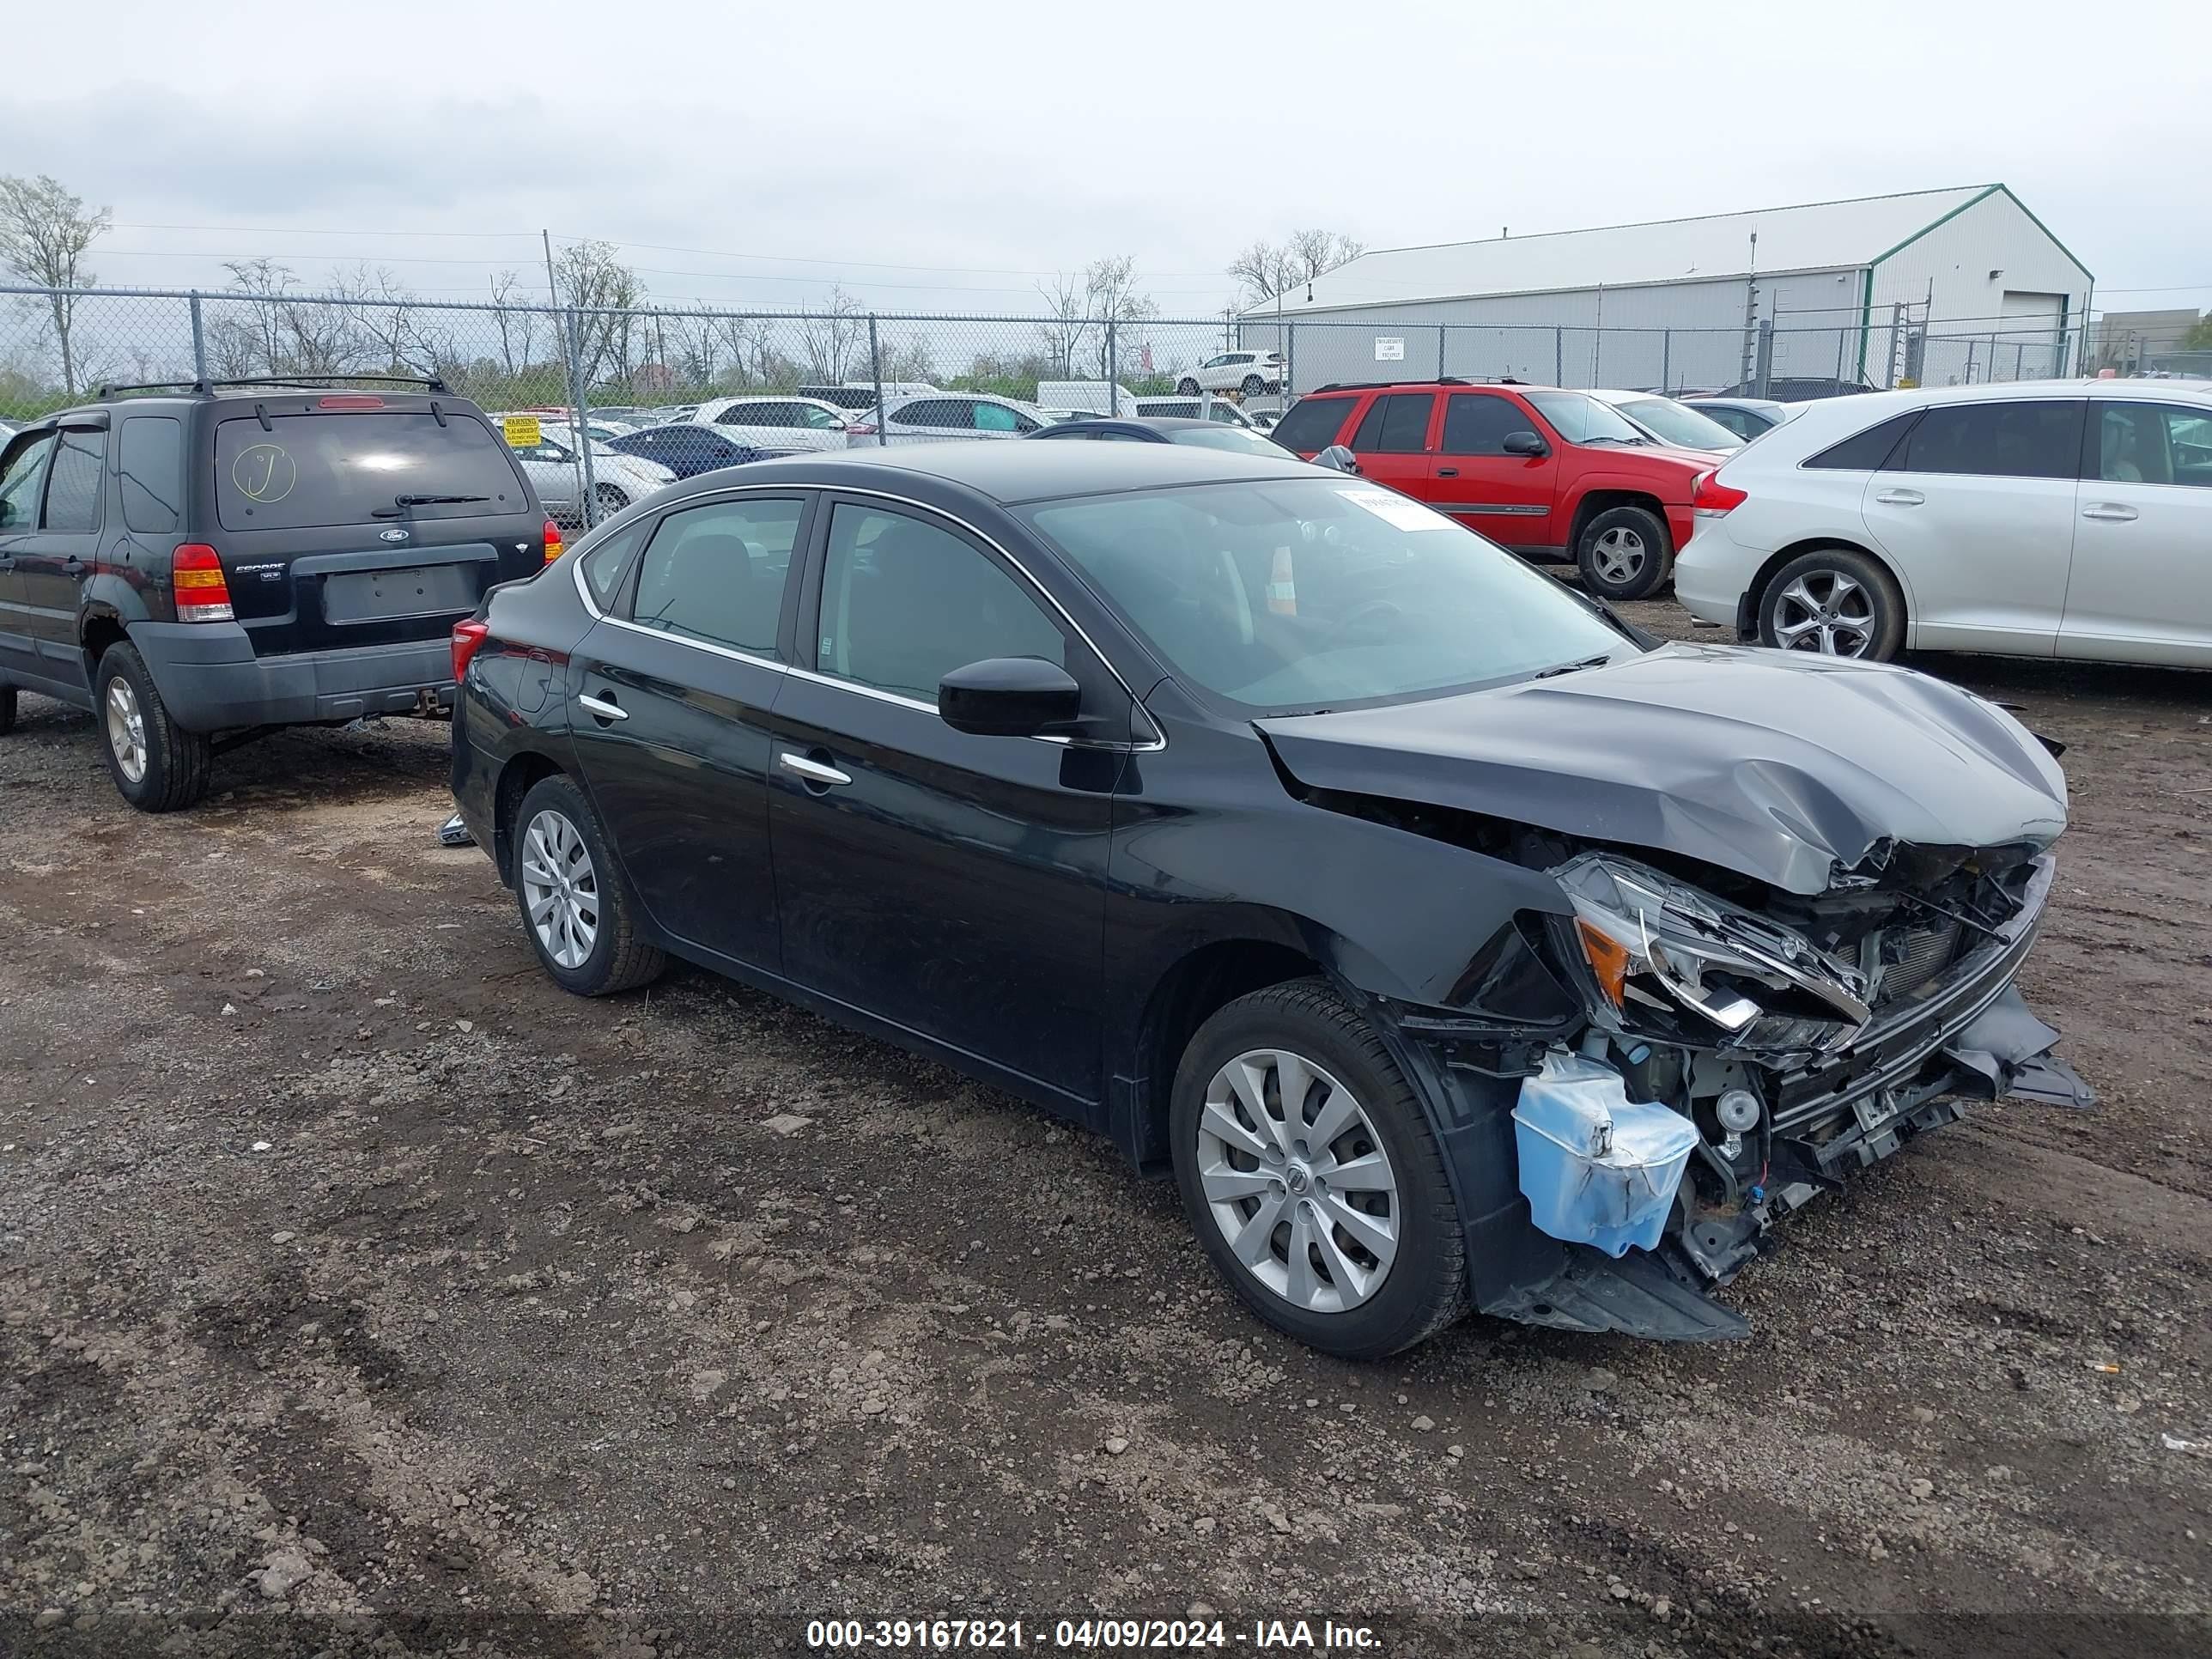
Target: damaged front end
{"points": [[1744, 1050], [1783, 900]]}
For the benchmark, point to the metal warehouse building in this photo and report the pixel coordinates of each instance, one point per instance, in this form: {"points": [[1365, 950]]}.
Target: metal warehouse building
{"points": [[1940, 286]]}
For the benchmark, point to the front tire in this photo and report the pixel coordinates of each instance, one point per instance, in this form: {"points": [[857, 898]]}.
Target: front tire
{"points": [[1186, 387], [578, 911], [7, 709], [1624, 553], [1835, 601], [1309, 1171], [611, 500], [157, 765]]}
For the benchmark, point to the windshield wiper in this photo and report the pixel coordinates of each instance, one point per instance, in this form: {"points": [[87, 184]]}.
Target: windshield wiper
{"points": [[437, 501], [1598, 662], [1607, 438]]}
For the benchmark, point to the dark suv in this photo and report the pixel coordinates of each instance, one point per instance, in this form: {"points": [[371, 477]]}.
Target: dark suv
{"points": [[210, 559]]}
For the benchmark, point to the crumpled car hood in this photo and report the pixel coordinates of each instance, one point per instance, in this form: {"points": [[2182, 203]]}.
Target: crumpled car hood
{"points": [[1779, 766]]}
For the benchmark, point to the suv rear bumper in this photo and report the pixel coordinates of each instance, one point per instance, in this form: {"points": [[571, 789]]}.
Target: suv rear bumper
{"points": [[210, 679]]}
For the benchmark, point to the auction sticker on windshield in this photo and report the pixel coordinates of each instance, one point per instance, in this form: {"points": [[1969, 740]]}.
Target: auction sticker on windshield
{"points": [[1399, 512]]}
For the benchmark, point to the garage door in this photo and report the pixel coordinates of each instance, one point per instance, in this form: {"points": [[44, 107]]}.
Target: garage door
{"points": [[2030, 342]]}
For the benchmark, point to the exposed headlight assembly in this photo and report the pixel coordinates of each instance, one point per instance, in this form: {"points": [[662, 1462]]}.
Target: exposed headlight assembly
{"points": [[1656, 945]]}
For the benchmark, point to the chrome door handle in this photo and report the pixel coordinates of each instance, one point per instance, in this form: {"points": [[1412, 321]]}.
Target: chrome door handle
{"points": [[2110, 513], [602, 708], [1901, 498], [812, 771]]}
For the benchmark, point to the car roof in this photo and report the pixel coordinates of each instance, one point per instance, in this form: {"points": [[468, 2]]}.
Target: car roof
{"points": [[1875, 405], [1009, 473], [1157, 423]]}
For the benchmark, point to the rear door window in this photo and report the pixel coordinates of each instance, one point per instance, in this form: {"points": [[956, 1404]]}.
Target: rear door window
{"points": [[73, 490], [310, 470], [1312, 423], [2028, 439], [947, 412], [1405, 424], [152, 459], [717, 572]]}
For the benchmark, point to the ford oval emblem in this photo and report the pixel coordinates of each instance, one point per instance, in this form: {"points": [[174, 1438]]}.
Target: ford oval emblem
{"points": [[392, 535]]}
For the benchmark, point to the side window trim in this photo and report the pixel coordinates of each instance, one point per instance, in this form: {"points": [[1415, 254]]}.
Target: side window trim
{"points": [[618, 614], [46, 440], [2092, 468], [967, 534], [62, 437], [807, 608]]}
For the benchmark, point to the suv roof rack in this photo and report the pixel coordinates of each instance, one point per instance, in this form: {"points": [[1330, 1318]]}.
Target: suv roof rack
{"points": [[299, 382]]}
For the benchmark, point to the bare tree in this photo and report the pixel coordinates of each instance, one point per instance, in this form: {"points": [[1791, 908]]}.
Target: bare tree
{"points": [[44, 233], [391, 317], [836, 341], [1110, 295], [517, 323], [910, 362], [280, 333], [1265, 269], [589, 277], [1067, 303]]}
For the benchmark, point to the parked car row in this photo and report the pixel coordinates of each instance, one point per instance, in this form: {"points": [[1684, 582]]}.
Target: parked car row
{"points": [[1449, 945]]}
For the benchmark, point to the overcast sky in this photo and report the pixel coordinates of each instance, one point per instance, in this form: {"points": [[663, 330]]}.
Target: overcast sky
{"points": [[949, 154]]}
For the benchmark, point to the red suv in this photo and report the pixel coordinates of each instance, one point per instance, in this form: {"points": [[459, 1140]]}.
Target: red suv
{"points": [[1550, 474]]}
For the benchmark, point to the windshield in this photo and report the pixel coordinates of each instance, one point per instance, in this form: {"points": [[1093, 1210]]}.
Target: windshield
{"points": [[1676, 423], [1581, 419], [1241, 439], [1302, 594]]}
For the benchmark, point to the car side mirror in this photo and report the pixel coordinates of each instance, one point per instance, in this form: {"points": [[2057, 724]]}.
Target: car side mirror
{"points": [[1008, 698], [1336, 455], [1525, 443]]}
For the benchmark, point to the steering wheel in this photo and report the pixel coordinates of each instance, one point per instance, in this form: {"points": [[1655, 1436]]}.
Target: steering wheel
{"points": [[1379, 615]]}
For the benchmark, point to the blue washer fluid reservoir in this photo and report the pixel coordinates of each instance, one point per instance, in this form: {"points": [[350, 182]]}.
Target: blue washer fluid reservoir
{"points": [[1597, 1168]]}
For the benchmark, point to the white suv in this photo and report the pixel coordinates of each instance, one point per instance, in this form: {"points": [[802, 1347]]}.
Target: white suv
{"points": [[1248, 372], [785, 425], [2066, 518]]}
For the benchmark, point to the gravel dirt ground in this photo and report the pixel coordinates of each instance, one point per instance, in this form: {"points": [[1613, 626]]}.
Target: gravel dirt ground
{"points": [[360, 1292]]}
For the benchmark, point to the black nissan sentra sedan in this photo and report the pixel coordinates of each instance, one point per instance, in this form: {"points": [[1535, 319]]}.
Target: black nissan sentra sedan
{"points": [[1452, 944]]}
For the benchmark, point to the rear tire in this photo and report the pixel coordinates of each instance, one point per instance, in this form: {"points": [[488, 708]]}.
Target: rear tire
{"points": [[1624, 553], [1186, 387], [7, 709], [1333, 1293], [577, 910], [1834, 600], [1254, 385], [157, 765]]}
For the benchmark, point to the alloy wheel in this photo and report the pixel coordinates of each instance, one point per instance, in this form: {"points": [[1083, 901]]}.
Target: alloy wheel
{"points": [[560, 888], [1826, 611], [1619, 555], [126, 730], [1297, 1179]]}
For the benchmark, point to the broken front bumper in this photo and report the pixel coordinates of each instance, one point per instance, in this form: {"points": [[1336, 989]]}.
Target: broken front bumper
{"points": [[1966, 1035]]}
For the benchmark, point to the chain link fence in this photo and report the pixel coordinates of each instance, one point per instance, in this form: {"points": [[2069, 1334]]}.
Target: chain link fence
{"points": [[621, 394]]}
